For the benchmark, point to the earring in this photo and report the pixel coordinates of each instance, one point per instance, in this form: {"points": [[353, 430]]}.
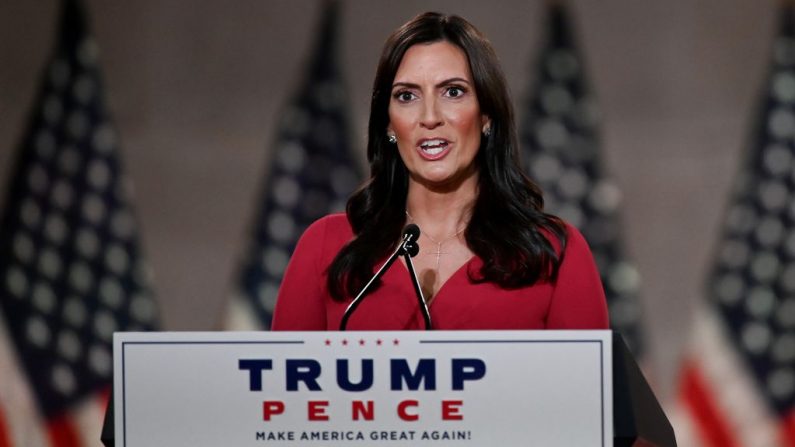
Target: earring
{"points": [[391, 138], [487, 131]]}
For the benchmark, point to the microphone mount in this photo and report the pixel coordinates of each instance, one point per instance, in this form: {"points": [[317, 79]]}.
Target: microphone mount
{"points": [[408, 248]]}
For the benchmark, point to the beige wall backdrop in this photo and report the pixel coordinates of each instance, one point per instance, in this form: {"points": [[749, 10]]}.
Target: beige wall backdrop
{"points": [[195, 87]]}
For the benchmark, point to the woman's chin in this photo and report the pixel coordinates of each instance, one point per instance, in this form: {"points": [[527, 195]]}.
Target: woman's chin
{"points": [[443, 181]]}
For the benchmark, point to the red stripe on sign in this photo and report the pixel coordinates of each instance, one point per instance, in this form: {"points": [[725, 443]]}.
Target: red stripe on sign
{"points": [[62, 432], [788, 430], [709, 420], [5, 435]]}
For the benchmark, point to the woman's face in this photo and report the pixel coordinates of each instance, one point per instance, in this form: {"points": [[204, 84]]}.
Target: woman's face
{"points": [[435, 115]]}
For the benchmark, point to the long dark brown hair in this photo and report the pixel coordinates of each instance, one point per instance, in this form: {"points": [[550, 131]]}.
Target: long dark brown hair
{"points": [[508, 229]]}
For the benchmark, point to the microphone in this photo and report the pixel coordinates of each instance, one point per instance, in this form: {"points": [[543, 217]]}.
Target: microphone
{"points": [[411, 233], [408, 247]]}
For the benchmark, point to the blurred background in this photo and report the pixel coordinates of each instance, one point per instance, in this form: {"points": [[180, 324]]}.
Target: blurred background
{"points": [[203, 96]]}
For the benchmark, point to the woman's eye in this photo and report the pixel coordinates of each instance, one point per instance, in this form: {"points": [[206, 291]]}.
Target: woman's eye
{"points": [[404, 96], [455, 92]]}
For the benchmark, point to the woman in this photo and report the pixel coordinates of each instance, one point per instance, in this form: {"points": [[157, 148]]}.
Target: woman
{"points": [[443, 154]]}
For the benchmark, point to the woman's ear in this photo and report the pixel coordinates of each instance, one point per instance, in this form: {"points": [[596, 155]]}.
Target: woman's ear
{"points": [[485, 128]]}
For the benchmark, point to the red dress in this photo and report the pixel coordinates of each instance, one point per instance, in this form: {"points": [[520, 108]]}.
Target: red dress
{"points": [[575, 300]]}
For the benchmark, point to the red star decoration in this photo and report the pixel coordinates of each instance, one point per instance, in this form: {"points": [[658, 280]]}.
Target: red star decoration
{"points": [[378, 342], [396, 342], [344, 342], [361, 342]]}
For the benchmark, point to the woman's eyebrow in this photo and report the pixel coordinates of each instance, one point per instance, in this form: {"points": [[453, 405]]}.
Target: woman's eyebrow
{"points": [[440, 84]]}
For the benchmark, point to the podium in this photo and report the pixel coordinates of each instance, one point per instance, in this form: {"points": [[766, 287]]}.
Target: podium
{"points": [[457, 388]]}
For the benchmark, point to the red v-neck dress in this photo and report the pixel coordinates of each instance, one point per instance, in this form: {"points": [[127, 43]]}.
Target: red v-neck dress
{"points": [[575, 301]]}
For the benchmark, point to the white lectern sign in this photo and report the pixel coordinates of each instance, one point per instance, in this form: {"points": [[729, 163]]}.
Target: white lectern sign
{"points": [[434, 388]]}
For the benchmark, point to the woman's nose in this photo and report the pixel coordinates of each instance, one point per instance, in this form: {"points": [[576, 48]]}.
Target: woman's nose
{"points": [[431, 117]]}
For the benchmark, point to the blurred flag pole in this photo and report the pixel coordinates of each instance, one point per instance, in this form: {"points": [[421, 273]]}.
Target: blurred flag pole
{"points": [[312, 171], [737, 384], [560, 145], [71, 271]]}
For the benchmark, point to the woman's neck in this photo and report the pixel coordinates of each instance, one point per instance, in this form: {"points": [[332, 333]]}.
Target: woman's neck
{"points": [[441, 213]]}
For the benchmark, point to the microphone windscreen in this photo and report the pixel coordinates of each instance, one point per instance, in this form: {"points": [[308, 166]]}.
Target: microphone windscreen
{"points": [[411, 230], [412, 248]]}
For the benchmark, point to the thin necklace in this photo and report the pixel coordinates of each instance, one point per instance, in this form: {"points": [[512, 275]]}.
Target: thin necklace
{"points": [[438, 251]]}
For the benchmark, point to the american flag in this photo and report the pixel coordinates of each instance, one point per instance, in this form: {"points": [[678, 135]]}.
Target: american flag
{"points": [[71, 271], [561, 148], [312, 172], [738, 383]]}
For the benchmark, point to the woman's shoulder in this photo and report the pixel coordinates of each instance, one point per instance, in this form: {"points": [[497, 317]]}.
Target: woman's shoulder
{"points": [[331, 228], [577, 251], [322, 239], [573, 237]]}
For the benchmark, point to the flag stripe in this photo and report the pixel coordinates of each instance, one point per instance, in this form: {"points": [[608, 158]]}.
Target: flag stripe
{"points": [[711, 424], [23, 424], [89, 416], [241, 316], [725, 378], [62, 432], [678, 412], [5, 438], [788, 430]]}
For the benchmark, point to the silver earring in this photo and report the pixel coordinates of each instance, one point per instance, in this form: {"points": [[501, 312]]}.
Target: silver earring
{"points": [[391, 138], [487, 131]]}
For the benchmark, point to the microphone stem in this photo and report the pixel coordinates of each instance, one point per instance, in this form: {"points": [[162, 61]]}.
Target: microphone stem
{"points": [[360, 297], [426, 314]]}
